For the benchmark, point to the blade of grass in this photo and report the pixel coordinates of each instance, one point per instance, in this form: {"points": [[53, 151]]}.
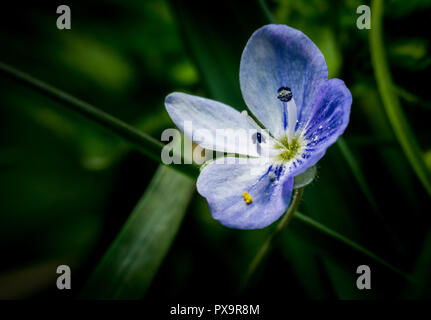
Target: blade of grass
{"points": [[357, 173], [142, 141], [266, 11], [306, 265], [267, 245], [391, 102], [321, 230], [132, 260]]}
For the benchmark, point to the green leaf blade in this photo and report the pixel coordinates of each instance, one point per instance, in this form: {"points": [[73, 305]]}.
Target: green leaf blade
{"points": [[391, 102], [317, 230], [143, 142], [131, 262]]}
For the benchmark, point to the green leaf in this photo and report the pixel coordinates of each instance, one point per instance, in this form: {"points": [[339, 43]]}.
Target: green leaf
{"points": [[391, 102], [131, 262], [142, 141]]}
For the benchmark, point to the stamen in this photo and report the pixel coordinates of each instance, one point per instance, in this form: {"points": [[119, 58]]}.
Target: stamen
{"points": [[261, 135], [262, 138], [244, 113], [247, 197], [285, 95], [292, 116], [262, 132]]}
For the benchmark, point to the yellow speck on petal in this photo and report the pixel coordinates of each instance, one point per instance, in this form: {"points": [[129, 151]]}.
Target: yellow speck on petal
{"points": [[247, 197]]}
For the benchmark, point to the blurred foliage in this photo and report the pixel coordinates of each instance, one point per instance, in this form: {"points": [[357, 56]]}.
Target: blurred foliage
{"points": [[68, 186], [131, 262]]}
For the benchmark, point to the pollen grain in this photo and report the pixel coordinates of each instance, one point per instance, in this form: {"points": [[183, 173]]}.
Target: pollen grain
{"points": [[247, 197]]}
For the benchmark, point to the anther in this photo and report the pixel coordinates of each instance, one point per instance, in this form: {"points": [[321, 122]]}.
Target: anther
{"points": [[257, 137], [247, 197], [284, 94]]}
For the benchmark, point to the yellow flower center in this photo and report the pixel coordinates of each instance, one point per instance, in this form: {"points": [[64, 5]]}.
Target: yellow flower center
{"points": [[289, 150]]}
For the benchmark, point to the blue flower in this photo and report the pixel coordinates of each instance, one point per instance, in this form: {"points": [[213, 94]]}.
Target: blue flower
{"points": [[284, 82]]}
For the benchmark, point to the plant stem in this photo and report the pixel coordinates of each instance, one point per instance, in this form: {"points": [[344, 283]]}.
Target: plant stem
{"points": [[391, 102], [140, 140], [267, 245]]}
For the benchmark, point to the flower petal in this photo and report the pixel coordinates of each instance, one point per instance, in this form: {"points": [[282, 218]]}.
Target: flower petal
{"points": [[329, 118], [223, 186], [330, 115], [215, 117], [279, 56]]}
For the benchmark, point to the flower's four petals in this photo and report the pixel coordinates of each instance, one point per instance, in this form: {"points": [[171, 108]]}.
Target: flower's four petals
{"points": [[245, 196], [211, 124], [278, 57]]}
